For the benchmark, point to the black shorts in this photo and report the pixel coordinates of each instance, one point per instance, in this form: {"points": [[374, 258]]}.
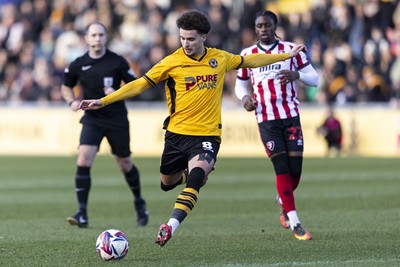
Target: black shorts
{"points": [[179, 149], [118, 138], [282, 135]]}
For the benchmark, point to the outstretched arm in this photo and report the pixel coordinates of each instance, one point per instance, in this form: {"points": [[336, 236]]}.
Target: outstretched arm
{"points": [[129, 90], [258, 60]]}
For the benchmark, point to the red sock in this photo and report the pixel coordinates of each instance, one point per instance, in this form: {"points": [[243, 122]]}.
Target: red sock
{"points": [[285, 191]]}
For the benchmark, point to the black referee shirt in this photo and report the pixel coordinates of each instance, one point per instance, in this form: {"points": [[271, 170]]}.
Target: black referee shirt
{"points": [[93, 75]]}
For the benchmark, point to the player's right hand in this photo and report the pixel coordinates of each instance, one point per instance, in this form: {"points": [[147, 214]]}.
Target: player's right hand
{"points": [[90, 104]]}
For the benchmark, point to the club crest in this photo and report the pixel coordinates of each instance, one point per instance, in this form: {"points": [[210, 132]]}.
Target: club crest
{"points": [[270, 145], [213, 63]]}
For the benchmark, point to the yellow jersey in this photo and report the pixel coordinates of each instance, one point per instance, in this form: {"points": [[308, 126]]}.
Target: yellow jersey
{"points": [[194, 89]]}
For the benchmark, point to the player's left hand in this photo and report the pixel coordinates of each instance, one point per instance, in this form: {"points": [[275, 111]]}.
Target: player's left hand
{"points": [[248, 103], [287, 76], [90, 104]]}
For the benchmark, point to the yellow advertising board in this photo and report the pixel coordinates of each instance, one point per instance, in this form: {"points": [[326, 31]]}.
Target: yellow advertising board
{"points": [[369, 131]]}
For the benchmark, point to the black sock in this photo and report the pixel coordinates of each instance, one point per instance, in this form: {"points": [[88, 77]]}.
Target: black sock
{"points": [[186, 201], [133, 179], [196, 178], [182, 180], [82, 187]]}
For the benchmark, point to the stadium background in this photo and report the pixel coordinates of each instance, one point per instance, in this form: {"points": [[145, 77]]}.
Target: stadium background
{"points": [[353, 44]]}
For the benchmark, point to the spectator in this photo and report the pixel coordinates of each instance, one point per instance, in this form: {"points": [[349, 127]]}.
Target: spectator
{"points": [[8, 88], [331, 130], [373, 85], [370, 31], [11, 31]]}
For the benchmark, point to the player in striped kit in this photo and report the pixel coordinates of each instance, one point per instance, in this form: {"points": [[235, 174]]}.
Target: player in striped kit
{"points": [[276, 108]]}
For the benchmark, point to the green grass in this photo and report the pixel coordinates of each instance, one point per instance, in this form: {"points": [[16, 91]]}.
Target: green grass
{"points": [[350, 205]]}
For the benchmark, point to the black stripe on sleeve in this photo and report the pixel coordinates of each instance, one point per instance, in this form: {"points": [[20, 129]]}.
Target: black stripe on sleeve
{"points": [[150, 81]]}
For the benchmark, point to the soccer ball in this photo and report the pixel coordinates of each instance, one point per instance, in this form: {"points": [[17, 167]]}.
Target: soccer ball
{"points": [[112, 244]]}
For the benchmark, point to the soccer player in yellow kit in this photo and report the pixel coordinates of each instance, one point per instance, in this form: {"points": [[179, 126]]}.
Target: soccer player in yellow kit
{"points": [[194, 79]]}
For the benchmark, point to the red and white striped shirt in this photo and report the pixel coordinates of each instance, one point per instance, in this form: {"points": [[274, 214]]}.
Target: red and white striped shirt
{"points": [[274, 100]]}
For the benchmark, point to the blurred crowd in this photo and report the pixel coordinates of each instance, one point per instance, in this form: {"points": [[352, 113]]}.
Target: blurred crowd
{"points": [[354, 44]]}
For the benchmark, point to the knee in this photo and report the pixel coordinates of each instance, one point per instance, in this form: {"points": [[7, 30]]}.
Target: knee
{"points": [[205, 180], [125, 164], [169, 182], [197, 178], [280, 163], [85, 160], [295, 173], [296, 164], [166, 188]]}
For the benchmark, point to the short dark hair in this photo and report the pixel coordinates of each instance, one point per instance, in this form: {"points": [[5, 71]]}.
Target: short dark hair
{"points": [[267, 13], [194, 20]]}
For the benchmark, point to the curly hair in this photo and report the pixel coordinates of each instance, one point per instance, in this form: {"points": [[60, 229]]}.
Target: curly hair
{"points": [[194, 20]]}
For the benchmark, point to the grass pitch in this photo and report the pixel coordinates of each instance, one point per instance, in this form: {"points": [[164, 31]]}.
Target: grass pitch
{"points": [[350, 205]]}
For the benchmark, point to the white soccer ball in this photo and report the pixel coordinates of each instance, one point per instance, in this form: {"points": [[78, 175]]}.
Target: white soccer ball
{"points": [[112, 244]]}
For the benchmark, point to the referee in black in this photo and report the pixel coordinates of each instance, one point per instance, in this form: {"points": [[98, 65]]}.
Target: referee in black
{"points": [[98, 72]]}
